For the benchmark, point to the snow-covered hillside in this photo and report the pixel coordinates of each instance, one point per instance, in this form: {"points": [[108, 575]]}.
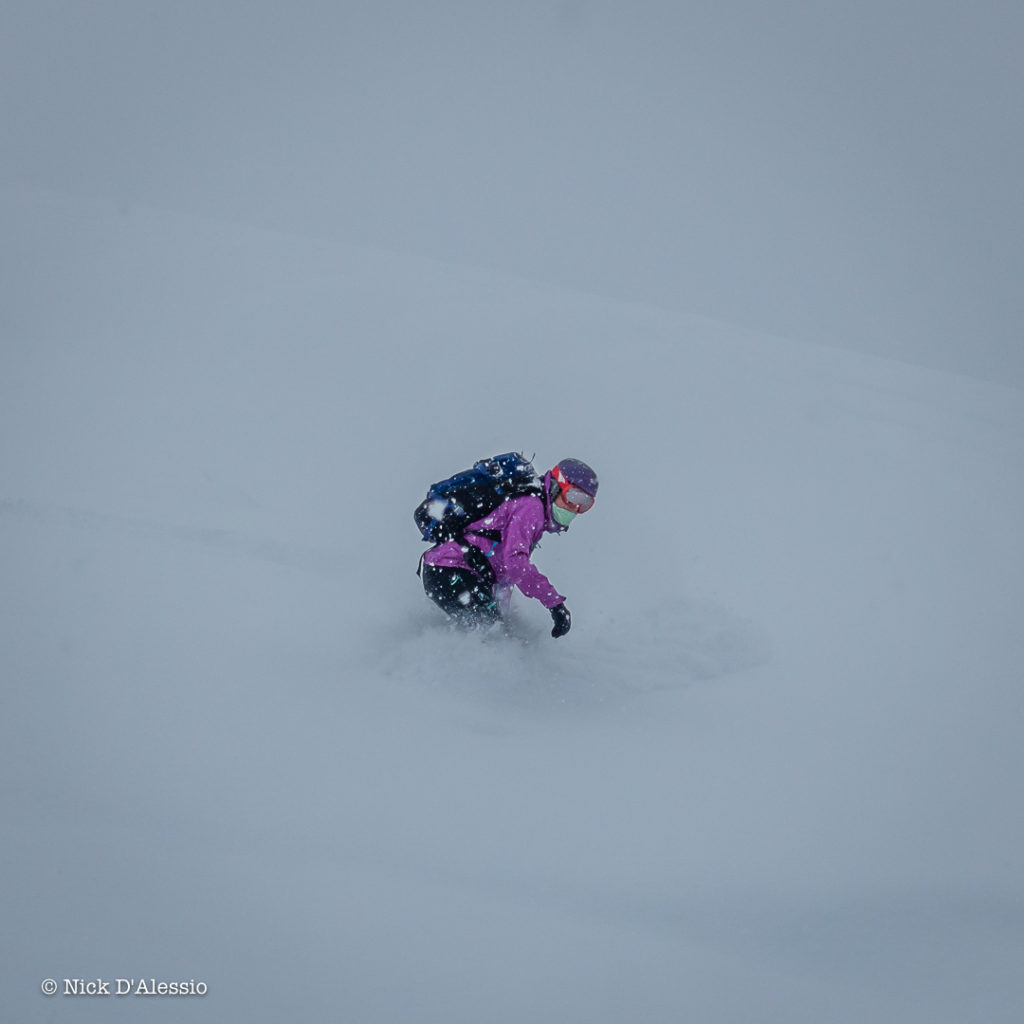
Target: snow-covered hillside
{"points": [[772, 773]]}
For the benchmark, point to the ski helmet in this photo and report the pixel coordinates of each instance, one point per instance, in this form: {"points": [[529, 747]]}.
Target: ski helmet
{"points": [[577, 483]]}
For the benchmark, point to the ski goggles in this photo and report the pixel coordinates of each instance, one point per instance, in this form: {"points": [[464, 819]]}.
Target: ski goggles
{"points": [[572, 497]]}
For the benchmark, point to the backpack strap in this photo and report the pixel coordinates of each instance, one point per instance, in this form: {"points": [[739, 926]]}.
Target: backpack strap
{"points": [[479, 561], [493, 535]]}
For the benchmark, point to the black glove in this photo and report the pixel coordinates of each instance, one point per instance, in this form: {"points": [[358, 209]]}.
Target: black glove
{"points": [[562, 620]]}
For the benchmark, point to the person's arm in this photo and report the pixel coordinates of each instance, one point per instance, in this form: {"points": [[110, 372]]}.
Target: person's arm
{"points": [[524, 528]]}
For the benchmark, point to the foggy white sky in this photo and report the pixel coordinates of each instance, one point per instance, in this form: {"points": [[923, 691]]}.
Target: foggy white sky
{"points": [[845, 173]]}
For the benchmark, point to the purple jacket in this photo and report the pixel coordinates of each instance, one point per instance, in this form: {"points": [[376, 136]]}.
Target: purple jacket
{"points": [[522, 522]]}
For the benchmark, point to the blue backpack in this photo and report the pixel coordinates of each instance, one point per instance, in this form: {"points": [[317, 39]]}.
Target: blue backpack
{"points": [[452, 504]]}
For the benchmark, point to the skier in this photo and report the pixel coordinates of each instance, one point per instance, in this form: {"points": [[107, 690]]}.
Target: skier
{"points": [[472, 580]]}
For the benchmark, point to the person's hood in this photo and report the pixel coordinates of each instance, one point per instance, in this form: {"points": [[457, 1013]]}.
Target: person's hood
{"points": [[550, 526]]}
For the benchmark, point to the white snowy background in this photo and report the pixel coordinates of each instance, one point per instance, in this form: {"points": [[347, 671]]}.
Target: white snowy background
{"points": [[267, 271]]}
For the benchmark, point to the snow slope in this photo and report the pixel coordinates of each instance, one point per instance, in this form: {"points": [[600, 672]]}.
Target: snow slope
{"points": [[771, 774]]}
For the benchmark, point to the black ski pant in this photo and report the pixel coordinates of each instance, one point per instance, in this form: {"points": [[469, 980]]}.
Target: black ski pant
{"points": [[462, 594]]}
